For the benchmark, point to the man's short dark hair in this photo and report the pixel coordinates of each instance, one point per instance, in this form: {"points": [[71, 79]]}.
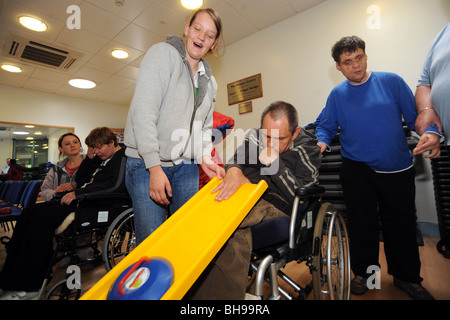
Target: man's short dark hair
{"points": [[100, 136], [279, 109], [347, 45]]}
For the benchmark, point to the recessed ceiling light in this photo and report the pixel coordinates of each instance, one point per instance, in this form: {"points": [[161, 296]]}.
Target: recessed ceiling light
{"points": [[191, 4], [33, 23], [21, 133], [120, 54], [82, 83], [11, 68]]}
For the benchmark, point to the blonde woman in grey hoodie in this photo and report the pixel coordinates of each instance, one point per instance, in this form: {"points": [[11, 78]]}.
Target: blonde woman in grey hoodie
{"points": [[61, 177], [169, 125]]}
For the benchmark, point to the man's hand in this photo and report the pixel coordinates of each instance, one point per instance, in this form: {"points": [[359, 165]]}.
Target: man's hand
{"points": [[159, 185], [428, 142], [323, 147], [90, 153], [234, 178], [68, 198], [211, 168], [65, 187], [268, 155]]}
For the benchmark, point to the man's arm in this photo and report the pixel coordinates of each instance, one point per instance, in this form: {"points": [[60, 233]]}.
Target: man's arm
{"points": [[426, 116]]}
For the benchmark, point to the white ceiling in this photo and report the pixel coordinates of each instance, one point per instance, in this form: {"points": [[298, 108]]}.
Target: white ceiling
{"points": [[135, 26]]}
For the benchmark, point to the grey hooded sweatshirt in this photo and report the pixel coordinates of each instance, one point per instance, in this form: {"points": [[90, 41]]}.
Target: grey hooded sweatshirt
{"points": [[168, 122]]}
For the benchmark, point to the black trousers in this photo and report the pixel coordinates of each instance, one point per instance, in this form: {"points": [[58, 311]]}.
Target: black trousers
{"points": [[370, 197], [30, 249]]}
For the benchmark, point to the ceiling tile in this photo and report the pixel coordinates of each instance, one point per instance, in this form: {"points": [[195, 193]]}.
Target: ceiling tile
{"points": [[129, 11], [101, 22], [91, 74], [45, 74], [81, 40], [129, 72], [44, 85], [120, 81], [161, 20], [138, 37], [108, 64], [302, 5]]}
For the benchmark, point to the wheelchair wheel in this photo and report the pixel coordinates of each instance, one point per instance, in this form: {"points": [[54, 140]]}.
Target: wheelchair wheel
{"points": [[119, 240], [60, 291], [331, 257]]}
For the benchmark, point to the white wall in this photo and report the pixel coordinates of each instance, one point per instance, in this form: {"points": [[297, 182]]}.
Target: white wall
{"points": [[28, 106], [294, 59]]}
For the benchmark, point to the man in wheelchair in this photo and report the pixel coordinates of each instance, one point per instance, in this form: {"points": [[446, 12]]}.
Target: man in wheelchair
{"points": [[287, 158], [30, 248]]}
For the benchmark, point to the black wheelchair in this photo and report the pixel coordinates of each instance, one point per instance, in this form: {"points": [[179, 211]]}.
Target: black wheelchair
{"points": [[80, 239], [316, 234]]}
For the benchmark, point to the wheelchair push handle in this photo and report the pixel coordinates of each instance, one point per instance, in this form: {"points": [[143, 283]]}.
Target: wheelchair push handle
{"points": [[310, 191]]}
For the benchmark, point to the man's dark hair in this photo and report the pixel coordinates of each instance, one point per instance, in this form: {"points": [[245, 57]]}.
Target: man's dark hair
{"points": [[279, 109], [99, 136], [347, 44]]}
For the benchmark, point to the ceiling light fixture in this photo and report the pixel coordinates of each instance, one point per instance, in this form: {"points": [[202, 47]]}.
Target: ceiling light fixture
{"points": [[11, 68], [33, 23], [82, 83], [119, 54], [191, 4], [20, 133]]}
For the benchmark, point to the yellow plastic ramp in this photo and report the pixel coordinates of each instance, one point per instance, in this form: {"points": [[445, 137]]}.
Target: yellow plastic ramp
{"points": [[189, 239]]}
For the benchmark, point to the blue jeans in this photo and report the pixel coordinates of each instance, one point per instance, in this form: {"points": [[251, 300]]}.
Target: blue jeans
{"points": [[149, 215]]}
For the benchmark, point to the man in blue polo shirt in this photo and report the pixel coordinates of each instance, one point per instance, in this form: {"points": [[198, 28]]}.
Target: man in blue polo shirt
{"points": [[377, 169]]}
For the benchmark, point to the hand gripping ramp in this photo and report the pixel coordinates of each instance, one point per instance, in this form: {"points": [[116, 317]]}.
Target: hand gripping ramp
{"points": [[187, 241]]}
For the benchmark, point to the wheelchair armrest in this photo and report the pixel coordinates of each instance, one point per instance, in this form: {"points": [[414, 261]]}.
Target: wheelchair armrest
{"points": [[310, 191], [301, 193], [102, 195]]}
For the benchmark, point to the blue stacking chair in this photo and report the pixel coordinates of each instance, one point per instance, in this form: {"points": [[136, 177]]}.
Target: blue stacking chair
{"points": [[14, 193], [27, 198]]}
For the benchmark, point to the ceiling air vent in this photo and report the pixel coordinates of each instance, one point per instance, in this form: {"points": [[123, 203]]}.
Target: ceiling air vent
{"points": [[40, 53]]}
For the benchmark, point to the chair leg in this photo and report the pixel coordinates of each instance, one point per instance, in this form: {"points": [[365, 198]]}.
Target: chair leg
{"points": [[274, 282], [260, 274]]}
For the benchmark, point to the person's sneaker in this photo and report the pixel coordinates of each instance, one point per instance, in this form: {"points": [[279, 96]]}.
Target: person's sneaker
{"points": [[249, 296], [414, 290], [20, 295], [358, 285]]}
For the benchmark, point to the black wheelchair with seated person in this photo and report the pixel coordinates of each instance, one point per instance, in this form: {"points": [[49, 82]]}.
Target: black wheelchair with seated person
{"points": [[315, 233]]}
